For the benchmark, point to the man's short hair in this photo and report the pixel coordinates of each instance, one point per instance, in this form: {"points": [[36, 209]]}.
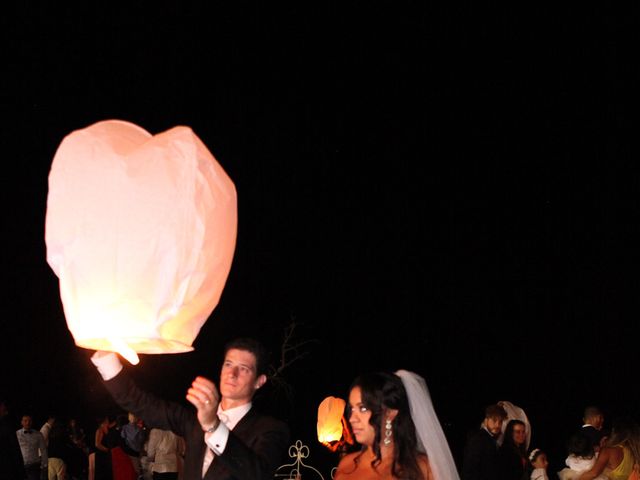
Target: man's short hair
{"points": [[591, 411], [253, 346], [495, 411]]}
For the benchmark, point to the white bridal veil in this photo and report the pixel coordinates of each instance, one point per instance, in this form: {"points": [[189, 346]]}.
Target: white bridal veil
{"points": [[514, 413], [431, 438]]}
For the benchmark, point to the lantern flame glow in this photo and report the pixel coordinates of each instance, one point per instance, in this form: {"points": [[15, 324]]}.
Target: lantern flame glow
{"points": [[330, 414]]}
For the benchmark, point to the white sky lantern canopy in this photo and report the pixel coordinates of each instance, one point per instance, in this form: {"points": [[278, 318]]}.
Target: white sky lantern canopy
{"points": [[141, 231]]}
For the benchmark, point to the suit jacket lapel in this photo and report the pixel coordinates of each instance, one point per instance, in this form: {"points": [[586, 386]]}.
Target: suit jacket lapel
{"points": [[242, 430], [243, 427]]}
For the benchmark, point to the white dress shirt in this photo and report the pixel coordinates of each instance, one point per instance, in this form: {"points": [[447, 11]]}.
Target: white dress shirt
{"points": [[45, 430], [217, 440], [33, 447]]}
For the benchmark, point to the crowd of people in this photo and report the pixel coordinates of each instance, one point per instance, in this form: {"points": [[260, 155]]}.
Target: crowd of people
{"points": [[390, 414], [499, 450], [120, 447]]}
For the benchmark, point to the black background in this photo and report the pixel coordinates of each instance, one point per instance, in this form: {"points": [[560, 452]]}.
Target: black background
{"points": [[450, 189]]}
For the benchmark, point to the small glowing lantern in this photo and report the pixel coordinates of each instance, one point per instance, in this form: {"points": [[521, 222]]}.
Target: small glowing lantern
{"points": [[330, 420], [140, 231]]}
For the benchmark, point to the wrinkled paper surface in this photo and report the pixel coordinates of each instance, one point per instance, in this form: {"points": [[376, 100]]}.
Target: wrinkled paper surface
{"points": [[140, 231]]}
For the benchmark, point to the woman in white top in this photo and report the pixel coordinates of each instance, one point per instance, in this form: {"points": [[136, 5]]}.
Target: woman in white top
{"points": [[164, 451]]}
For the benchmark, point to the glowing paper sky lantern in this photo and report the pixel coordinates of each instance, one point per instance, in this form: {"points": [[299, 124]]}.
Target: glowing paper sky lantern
{"points": [[330, 424], [140, 231]]}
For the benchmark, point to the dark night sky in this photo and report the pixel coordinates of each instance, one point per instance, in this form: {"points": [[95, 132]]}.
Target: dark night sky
{"points": [[448, 189]]}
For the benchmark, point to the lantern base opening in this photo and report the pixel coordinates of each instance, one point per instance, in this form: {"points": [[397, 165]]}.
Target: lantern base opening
{"points": [[129, 346]]}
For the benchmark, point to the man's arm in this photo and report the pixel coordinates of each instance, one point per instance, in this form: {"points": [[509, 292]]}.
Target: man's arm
{"points": [[598, 467], [151, 445], [253, 449], [155, 412], [42, 446]]}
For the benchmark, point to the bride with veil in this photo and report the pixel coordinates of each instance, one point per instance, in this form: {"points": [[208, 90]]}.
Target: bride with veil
{"points": [[393, 419]]}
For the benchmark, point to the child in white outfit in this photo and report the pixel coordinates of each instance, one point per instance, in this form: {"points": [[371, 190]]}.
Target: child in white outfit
{"points": [[539, 462], [582, 457]]}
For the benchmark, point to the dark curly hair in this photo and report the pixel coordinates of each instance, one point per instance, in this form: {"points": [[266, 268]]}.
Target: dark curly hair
{"points": [[580, 445], [382, 391]]}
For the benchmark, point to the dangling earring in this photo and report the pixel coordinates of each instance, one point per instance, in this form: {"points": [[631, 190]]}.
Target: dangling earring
{"points": [[387, 432]]}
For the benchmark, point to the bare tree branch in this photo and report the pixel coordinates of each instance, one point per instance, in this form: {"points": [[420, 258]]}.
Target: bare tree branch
{"points": [[292, 349]]}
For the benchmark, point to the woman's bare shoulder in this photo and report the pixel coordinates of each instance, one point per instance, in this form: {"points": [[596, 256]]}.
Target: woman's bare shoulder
{"points": [[347, 464], [349, 458]]}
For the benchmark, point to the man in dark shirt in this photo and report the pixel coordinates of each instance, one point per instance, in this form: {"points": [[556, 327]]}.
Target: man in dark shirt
{"points": [[133, 436]]}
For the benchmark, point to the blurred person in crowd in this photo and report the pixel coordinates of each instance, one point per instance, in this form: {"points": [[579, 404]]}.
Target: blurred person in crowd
{"points": [[11, 462], [33, 448]]}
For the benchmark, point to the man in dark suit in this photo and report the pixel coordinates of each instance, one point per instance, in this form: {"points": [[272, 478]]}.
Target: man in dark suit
{"points": [[481, 450], [225, 438], [593, 422]]}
